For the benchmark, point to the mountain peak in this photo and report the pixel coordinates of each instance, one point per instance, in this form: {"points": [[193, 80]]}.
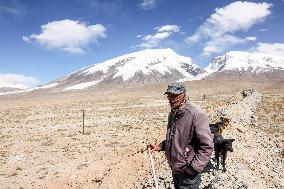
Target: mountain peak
{"points": [[250, 54], [148, 66], [157, 51], [244, 61], [150, 52]]}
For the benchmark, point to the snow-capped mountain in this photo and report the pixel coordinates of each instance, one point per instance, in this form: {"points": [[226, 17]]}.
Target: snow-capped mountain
{"points": [[239, 64], [139, 68], [165, 66]]}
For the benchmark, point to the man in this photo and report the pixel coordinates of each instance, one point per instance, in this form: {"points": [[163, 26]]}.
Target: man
{"points": [[189, 142]]}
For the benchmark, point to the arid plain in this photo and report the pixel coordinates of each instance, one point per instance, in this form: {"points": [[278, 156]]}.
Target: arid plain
{"points": [[42, 144]]}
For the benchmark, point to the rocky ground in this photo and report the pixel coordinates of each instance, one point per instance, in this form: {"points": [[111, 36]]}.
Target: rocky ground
{"points": [[42, 144]]}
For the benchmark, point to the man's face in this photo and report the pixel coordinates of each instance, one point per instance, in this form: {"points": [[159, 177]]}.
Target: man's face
{"points": [[171, 96], [176, 100]]}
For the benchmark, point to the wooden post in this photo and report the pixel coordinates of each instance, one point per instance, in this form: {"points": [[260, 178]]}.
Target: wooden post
{"points": [[83, 121]]}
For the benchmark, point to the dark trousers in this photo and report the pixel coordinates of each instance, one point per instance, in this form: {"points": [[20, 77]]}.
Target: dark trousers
{"points": [[185, 181]]}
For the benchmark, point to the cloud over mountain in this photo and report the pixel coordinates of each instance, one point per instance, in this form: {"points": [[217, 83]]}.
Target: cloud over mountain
{"points": [[219, 29], [271, 48], [163, 32]]}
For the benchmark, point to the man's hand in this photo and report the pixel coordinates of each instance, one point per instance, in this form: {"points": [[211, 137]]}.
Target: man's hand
{"points": [[153, 147]]}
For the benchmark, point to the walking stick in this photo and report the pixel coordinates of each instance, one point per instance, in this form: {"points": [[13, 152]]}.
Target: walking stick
{"points": [[153, 168]]}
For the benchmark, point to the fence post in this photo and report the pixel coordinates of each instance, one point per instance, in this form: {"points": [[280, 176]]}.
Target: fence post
{"points": [[83, 121]]}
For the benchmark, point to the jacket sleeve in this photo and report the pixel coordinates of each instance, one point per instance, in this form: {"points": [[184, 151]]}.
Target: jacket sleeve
{"points": [[204, 142], [162, 145]]}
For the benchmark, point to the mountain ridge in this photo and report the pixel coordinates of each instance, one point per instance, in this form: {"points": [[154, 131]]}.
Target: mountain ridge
{"points": [[244, 60], [154, 66], [246, 65], [143, 67]]}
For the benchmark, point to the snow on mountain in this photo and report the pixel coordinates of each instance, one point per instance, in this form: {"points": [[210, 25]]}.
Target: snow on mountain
{"points": [[245, 61], [82, 85], [139, 68], [147, 61], [154, 66], [47, 86]]}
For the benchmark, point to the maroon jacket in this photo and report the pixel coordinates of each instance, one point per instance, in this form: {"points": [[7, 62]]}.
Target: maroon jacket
{"points": [[189, 141]]}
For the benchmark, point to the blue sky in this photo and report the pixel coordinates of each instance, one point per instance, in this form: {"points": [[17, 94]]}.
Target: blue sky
{"points": [[42, 40]]}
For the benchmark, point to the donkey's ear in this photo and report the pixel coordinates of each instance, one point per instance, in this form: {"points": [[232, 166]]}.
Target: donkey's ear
{"points": [[232, 140]]}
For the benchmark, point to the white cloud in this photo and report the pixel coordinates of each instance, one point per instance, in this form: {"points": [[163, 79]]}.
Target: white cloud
{"points": [[148, 4], [234, 17], [237, 16], [218, 45], [193, 39], [17, 81], [163, 32], [271, 48], [251, 38], [26, 39], [168, 28], [67, 35]]}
